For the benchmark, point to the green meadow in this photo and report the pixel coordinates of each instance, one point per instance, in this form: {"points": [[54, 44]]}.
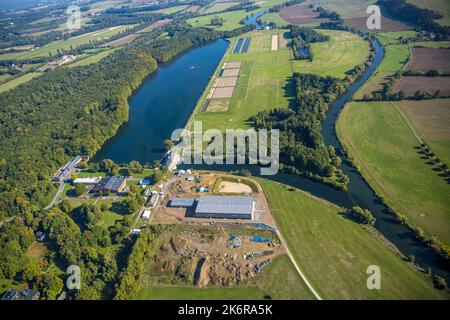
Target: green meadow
{"points": [[334, 252], [384, 147]]}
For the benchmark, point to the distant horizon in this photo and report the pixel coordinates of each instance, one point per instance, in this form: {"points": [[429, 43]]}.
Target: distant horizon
{"points": [[19, 4]]}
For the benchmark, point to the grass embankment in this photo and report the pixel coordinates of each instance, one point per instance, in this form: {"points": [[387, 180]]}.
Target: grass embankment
{"points": [[335, 252], [384, 148]]}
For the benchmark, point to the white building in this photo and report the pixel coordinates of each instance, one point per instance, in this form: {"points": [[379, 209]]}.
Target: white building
{"points": [[87, 181]]}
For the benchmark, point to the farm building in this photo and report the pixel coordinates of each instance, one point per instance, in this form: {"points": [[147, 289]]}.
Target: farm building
{"points": [[225, 207], [182, 202], [111, 184]]}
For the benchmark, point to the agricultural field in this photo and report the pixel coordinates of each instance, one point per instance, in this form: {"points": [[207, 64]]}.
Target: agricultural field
{"points": [[92, 58], [426, 59], [219, 6], [387, 25], [334, 252], [351, 8], [65, 44], [384, 146], [300, 14], [411, 84]]}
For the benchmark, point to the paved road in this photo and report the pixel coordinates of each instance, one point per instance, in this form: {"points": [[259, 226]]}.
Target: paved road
{"points": [[56, 198], [308, 284]]}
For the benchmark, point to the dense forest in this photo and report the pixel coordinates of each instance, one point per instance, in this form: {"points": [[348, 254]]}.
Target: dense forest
{"points": [[73, 111], [302, 149], [422, 18]]}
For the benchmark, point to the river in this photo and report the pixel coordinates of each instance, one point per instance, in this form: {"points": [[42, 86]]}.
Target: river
{"points": [[166, 99]]}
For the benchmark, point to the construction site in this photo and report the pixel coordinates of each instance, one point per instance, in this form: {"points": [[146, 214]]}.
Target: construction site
{"points": [[184, 191]]}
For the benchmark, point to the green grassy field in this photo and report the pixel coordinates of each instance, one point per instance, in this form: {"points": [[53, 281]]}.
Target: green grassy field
{"points": [[275, 18], [387, 38], [218, 7], [17, 81], [346, 8], [65, 44], [282, 282], [265, 77], [334, 252], [384, 147], [172, 10]]}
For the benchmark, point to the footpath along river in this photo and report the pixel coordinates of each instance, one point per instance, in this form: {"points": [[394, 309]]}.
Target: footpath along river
{"points": [[166, 99]]}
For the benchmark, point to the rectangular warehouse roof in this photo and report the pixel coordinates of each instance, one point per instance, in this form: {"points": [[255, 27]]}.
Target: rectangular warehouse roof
{"points": [[182, 202], [224, 205]]}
